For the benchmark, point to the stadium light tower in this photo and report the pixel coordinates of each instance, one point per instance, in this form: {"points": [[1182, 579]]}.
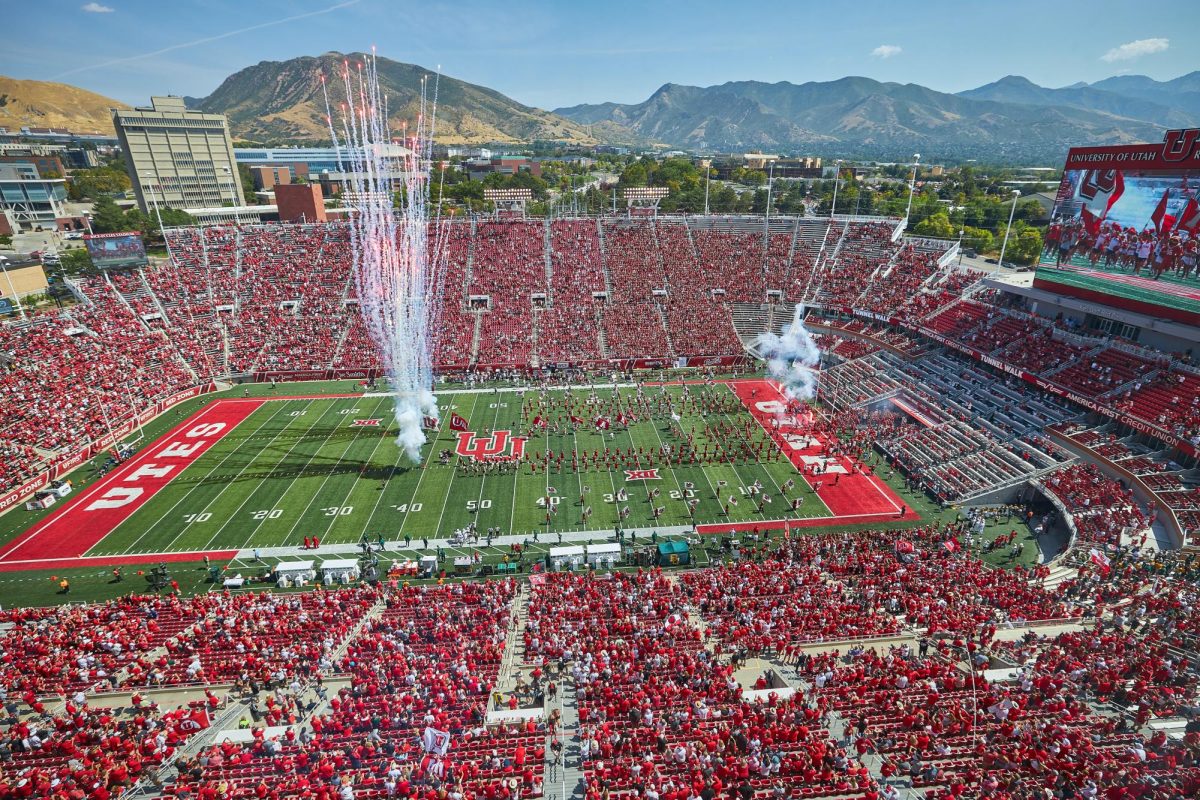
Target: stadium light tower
{"points": [[707, 181], [912, 184], [837, 179], [767, 217], [644, 197], [514, 200], [1016, 193]]}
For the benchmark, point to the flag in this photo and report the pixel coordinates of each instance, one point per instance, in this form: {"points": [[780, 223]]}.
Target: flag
{"points": [[576, 420], [1099, 559], [1100, 189], [622, 419], [732, 500], [766, 498], [551, 490], [538, 422], [655, 493], [904, 546], [674, 416], [721, 484], [459, 423], [430, 423], [1189, 218], [624, 512], [951, 545], [197, 720], [435, 741], [602, 423], [689, 485], [1161, 219]]}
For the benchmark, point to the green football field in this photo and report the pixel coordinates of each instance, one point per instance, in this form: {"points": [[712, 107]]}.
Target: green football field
{"points": [[298, 468]]}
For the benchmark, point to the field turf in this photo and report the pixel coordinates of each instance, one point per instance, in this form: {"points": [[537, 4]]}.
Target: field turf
{"points": [[303, 467]]}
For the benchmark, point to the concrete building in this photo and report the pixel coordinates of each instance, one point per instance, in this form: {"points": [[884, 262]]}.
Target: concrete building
{"points": [[34, 202], [176, 157], [267, 178], [324, 165], [47, 158], [479, 168]]}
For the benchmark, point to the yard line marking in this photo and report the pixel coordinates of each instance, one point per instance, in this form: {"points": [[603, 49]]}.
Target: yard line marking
{"points": [[354, 437], [189, 492], [449, 487], [483, 481], [78, 535], [302, 437], [280, 500]]}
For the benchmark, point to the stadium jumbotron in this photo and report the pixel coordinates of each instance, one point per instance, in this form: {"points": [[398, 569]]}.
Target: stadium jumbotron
{"points": [[671, 506]]}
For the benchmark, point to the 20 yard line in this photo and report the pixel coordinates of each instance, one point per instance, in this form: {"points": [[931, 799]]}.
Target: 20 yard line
{"points": [[189, 492], [279, 500], [253, 492]]}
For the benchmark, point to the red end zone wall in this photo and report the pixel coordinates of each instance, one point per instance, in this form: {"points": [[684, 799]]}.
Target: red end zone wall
{"points": [[86, 519], [60, 467]]}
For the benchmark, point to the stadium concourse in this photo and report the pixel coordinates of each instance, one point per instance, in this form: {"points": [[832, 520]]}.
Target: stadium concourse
{"points": [[899, 656]]}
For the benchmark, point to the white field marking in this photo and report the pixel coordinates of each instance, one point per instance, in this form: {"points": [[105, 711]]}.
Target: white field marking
{"points": [[449, 486], [188, 494], [280, 500], [91, 490], [778, 488], [483, 478], [303, 437], [420, 477], [353, 439]]}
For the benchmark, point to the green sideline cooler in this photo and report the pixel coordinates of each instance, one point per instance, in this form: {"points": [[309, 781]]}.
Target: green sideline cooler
{"points": [[673, 554]]}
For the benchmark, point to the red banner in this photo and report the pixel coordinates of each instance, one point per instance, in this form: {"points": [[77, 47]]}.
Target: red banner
{"points": [[1179, 149], [23, 491]]}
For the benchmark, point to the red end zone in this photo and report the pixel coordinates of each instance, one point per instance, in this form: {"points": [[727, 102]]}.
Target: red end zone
{"points": [[857, 498], [61, 539]]}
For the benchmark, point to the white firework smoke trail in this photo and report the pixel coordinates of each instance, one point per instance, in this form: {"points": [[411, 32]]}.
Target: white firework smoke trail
{"points": [[792, 358], [398, 265]]}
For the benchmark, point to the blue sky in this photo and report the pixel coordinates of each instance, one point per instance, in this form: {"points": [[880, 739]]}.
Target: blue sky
{"points": [[551, 54]]}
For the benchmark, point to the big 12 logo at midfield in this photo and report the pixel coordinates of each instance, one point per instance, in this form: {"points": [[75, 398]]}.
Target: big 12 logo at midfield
{"points": [[490, 448]]}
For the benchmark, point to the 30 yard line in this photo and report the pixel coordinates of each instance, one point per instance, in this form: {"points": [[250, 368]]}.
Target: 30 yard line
{"points": [[253, 492], [353, 440]]}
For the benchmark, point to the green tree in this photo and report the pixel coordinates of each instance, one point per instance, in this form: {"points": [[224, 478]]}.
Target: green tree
{"points": [[107, 217], [937, 225], [247, 177], [76, 261], [91, 183], [980, 239], [1026, 248]]}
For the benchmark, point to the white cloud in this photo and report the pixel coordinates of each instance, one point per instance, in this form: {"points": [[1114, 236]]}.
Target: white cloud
{"points": [[886, 51], [1136, 49], [96, 8]]}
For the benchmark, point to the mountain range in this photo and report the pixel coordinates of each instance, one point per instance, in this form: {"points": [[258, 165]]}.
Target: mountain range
{"points": [[1012, 120], [284, 101], [41, 104]]}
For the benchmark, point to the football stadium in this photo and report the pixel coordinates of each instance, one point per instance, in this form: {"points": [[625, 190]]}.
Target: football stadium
{"points": [[384, 498]]}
